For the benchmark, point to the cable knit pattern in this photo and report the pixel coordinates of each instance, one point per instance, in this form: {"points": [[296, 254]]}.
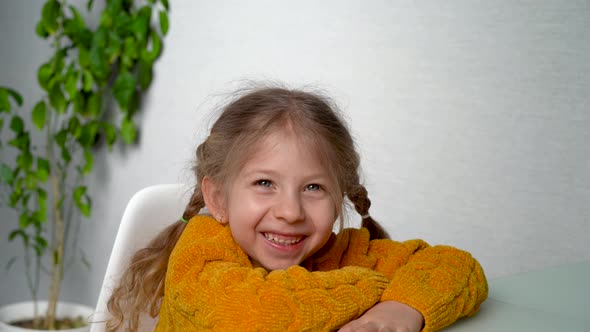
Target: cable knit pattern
{"points": [[211, 284]]}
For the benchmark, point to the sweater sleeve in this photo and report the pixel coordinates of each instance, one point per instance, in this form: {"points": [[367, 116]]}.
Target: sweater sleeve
{"points": [[210, 287], [442, 282]]}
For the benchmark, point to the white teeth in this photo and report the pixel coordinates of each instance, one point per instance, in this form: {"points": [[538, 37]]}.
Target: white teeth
{"points": [[276, 239]]}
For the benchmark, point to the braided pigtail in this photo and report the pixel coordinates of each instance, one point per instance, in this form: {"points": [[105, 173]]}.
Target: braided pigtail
{"points": [[141, 286], [359, 197]]}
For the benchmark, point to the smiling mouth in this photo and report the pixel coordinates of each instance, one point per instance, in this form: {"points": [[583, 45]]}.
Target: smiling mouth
{"points": [[282, 239]]}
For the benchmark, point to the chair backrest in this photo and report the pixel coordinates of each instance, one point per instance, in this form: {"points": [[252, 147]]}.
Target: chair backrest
{"points": [[148, 212]]}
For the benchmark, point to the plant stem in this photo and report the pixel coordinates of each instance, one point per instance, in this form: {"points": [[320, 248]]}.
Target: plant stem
{"points": [[36, 321], [57, 247], [32, 284], [57, 267]]}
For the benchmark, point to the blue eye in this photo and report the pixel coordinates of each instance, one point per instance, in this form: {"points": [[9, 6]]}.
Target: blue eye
{"points": [[264, 183], [313, 186]]}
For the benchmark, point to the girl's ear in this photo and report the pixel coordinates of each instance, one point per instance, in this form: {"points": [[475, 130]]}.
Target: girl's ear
{"points": [[214, 199]]}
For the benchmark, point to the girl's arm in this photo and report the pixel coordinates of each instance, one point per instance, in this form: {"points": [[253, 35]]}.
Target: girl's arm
{"points": [[211, 285], [441, 282]]}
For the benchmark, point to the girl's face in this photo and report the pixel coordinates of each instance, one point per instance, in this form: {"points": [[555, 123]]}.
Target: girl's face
{"points": [[279, 206]]}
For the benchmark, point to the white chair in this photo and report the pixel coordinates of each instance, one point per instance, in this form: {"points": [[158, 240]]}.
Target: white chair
{"points": [[148, 212]]}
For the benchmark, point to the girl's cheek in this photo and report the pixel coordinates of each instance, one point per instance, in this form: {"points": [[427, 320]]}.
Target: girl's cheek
{"points": [[260, 202]]}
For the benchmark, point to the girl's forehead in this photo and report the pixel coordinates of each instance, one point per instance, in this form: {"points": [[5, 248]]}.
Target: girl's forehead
{"points": [[283, 140], [285, 146]]}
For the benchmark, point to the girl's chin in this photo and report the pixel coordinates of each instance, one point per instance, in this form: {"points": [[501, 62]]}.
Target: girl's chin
{"points": [[271, 266]]}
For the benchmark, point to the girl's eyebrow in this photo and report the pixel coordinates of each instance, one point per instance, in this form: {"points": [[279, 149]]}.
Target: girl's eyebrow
{"points": [[271, 173], [259, 171]]}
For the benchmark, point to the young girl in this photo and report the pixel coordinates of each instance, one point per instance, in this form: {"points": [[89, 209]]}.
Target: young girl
{"points": [[274, 174]]}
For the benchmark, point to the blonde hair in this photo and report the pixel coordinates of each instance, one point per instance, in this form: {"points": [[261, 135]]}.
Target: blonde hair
{"points": [[233, 137]]}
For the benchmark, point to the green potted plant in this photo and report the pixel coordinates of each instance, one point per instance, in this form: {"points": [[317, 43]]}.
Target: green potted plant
{"points": [[48, 151]]}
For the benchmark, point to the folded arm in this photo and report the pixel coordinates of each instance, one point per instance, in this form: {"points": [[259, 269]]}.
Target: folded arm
{"points": [[443, 283], [219, 293]]}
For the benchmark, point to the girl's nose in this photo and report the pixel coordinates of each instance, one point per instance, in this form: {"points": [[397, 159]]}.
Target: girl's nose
{"points": [[289, 208]]}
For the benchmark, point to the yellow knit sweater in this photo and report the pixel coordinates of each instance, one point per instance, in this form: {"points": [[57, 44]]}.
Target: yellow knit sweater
{"points": [[211, 284]]}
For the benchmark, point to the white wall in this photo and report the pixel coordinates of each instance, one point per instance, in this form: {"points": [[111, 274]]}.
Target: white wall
{"points": [[472, 116]]}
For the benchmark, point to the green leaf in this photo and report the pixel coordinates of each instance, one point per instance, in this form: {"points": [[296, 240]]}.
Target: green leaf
{"points": [[128, 131], [49, 16], [106, 19], [71, 82], [42, 200], [30, 181], [88, 134], [74, 126], [166, 5], [130, 48], [42, 169], [6, 174], [141, 22], [42, 194], [58, 60], [15, 96], [78, 18], [21, 142], [80, 103], [84, 57], [122, 22], [100, 38], [24, 220], [89, 4], [44, 75], [156, 47], [82, 200], [85, 38], [18, 185], [94, 104], [25, 160], [4, 102], [57, 99], [124, 89], [5, 105], [85, 209], [60, 137], [144, 74], [39, 114], [17, 125], [18, 232], [15, 196], [113, 50], [99, 64], [70, 30], [89, 161], [41, 241], [26, 196], [110, 133], [40, 30], [65, 155], [87, 81], [164, 22]]}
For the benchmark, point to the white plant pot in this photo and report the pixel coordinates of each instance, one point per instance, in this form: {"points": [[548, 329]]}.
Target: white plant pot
{"points": [[23, 310]]}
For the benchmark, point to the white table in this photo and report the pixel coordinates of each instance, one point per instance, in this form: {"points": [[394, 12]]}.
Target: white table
{"points": [[555, 299]]}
